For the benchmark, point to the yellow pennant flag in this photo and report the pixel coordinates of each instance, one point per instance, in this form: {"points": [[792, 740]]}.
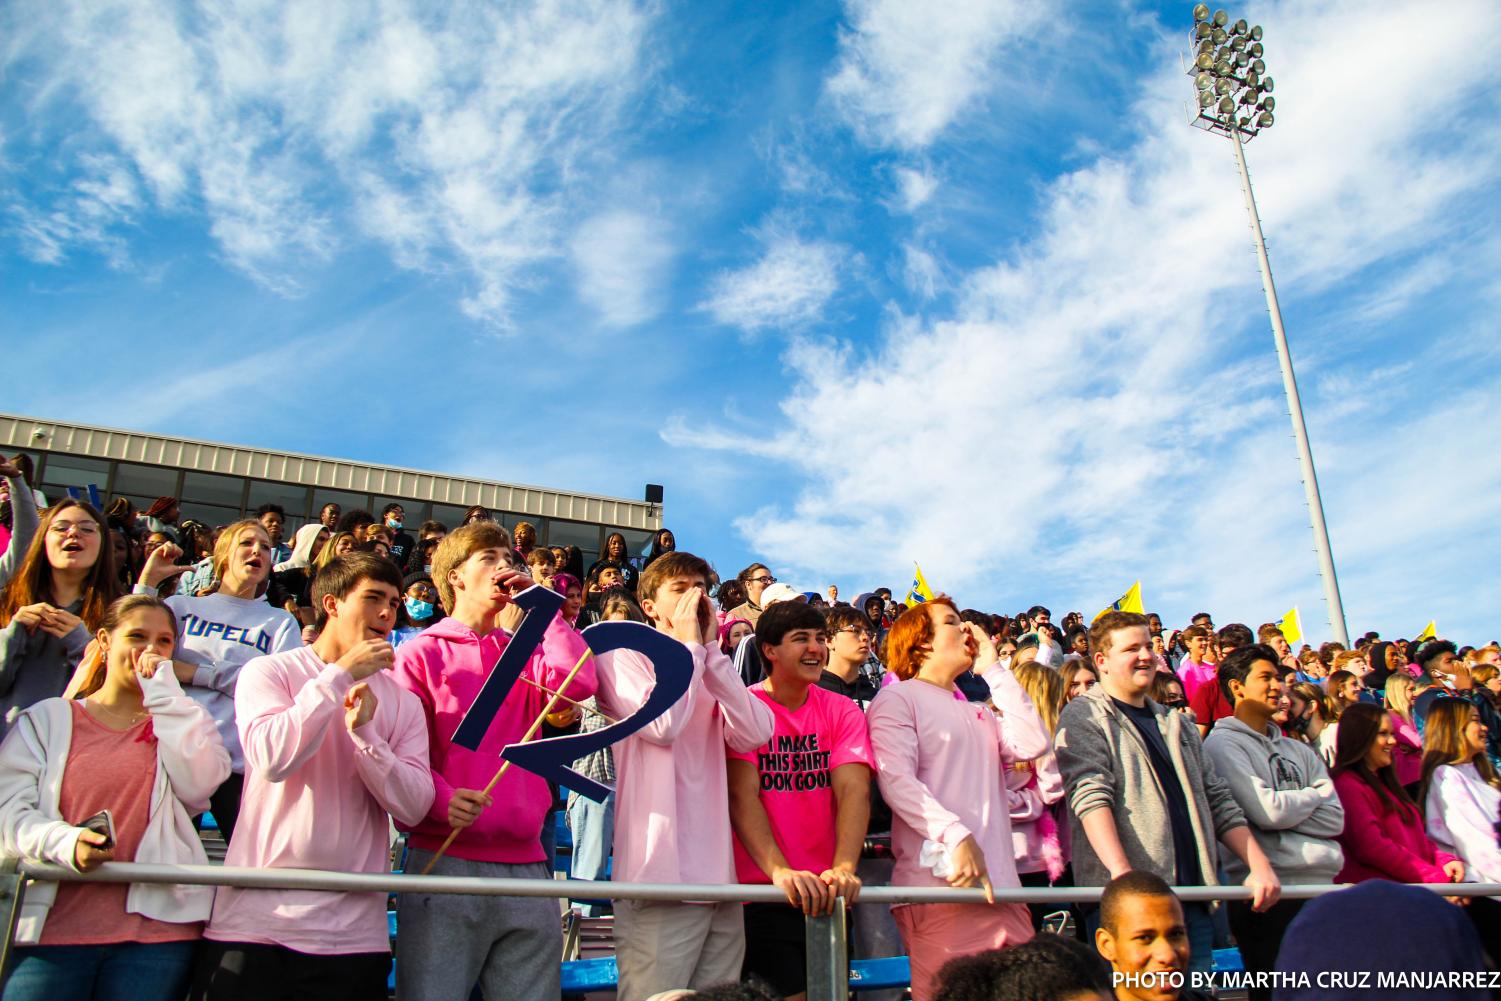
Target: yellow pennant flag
{"points": [[1128, 602], [1429, 632], [920, 590], [1291, 626]]}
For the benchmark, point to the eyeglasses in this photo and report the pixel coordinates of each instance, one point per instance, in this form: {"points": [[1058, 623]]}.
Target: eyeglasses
{"points": [[763, 579], [85, 528], [856, 631]]}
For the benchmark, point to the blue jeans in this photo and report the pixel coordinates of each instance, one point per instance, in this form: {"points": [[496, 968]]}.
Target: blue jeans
{"points": [[593, 827], [122, 971]]}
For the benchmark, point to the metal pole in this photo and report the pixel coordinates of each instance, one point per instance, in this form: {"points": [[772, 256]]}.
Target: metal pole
{"points": [[12, 893], [828, 955], [1294, 406]]}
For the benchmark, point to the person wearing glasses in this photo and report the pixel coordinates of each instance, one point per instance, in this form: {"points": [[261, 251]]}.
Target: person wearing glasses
{"points": [[851, 672], [1284, 790], [755, 578], [52, 605]]}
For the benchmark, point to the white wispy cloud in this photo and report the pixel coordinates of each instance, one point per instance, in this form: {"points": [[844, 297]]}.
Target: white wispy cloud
{"points": [[622, 259], [1102, 404], [455, 135], [787, 287], [907, 70]]}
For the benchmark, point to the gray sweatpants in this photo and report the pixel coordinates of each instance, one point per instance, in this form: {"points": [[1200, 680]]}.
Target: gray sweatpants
{"points": [[446, 943]]}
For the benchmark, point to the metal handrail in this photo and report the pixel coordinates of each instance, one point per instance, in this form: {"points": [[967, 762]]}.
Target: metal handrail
{"points": [[827, 955], [352, 882]]}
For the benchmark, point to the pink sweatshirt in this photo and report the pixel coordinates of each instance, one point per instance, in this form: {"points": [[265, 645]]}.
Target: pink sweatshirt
{"points": [[672, 801], [941, 771], [445, 666], [316, 797], [1384, 843]]}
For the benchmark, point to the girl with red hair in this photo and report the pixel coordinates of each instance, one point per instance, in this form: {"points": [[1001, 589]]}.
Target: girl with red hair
{"points": [[942, 763]]}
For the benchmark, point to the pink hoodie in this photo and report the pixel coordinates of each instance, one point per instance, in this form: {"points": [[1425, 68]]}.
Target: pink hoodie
{"points": [[445, 666]]}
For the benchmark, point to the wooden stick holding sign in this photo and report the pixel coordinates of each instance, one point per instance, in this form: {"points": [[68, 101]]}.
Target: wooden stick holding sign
{"points": [[504, 765], [583, 707]]}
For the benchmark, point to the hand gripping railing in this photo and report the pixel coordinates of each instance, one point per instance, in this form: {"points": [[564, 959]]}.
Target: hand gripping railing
{"points": [[828, 969]]}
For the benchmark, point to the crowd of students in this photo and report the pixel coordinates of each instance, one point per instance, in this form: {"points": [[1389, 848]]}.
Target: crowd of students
{"points": [[308, 696]]}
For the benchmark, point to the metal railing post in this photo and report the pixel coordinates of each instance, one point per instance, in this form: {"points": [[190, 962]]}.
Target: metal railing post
{"points": [[828, 957], [12, 893]]}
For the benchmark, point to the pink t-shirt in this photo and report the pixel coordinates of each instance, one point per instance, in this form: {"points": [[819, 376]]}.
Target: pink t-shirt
{"points": [[797, 768], [114, 770]]}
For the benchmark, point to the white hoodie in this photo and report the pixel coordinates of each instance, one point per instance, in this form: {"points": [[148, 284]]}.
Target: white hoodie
{"points": [[191, 764]]}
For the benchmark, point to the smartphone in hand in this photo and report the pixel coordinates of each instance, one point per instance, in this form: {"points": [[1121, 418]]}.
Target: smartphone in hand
{"points": [[102, 823]]}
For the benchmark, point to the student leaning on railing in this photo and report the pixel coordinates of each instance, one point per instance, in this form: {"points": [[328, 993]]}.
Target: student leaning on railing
{"points": [[131, 760]]}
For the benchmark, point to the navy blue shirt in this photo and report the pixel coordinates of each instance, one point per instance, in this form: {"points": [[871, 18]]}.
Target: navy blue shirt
{"points": [[1185, 849]]}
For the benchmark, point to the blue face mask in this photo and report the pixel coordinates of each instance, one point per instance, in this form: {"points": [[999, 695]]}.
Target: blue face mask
{"points": [[419, 609], [394, 523]]}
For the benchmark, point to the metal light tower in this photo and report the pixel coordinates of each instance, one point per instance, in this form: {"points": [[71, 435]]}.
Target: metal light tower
{"points": [[1235, 100]]}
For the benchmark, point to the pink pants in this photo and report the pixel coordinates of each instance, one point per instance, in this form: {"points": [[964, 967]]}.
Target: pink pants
{"points": [[936, 933]]}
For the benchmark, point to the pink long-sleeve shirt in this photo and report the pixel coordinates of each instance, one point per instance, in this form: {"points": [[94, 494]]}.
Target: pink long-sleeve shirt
{"points": [[672, 807], [316, 797], [941, 769], [445, 666]]}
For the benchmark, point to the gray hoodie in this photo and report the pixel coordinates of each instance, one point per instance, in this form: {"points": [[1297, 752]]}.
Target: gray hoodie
{"points": [[1288, 797], [1106, 765]]}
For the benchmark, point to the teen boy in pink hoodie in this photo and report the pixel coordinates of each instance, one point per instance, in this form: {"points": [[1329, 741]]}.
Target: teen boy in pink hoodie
{"points": [[332, 745], [447, 943], [672, 817]]}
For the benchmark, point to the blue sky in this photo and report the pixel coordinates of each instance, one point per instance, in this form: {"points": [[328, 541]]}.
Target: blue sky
{"points": [[860, 283]]}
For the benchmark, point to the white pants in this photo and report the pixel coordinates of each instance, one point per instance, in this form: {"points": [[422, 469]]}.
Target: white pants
{"points": [[664, 946]]}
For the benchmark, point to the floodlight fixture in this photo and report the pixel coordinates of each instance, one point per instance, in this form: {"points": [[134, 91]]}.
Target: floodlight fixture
{"points": [[1239, 106]]}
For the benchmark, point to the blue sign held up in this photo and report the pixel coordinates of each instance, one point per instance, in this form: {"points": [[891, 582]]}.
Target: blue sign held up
{"points": [[553, 757]]}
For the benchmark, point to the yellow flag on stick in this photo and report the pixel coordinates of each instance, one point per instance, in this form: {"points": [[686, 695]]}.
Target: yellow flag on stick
{"points": [[1429, 632], [1128, 602], [1291, 626], [920, 590]]}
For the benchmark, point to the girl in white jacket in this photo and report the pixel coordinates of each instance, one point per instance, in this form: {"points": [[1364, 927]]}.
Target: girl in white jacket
{"points": [[139, 749], [1461, 797]]}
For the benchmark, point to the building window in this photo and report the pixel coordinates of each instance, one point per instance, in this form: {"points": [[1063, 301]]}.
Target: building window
{"points": [[142, 485], [63, 471]]}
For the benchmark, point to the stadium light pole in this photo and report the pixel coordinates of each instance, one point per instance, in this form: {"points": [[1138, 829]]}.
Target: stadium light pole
{"points": [[1234, 97]]}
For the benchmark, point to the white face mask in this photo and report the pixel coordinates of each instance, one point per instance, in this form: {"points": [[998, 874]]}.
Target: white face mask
{"points": [[427, 568]]}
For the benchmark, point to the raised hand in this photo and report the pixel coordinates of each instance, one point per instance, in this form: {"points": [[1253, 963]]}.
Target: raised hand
{"points": [[359, 706], [145, 663], [161, 565], [9, 467], [367, 657], [687, 619], [985, 652]]}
